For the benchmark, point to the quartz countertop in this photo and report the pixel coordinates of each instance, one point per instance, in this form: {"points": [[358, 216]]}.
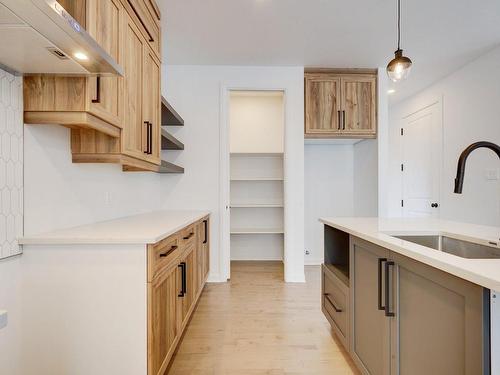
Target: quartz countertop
{"points": [[147, 228], [484, 272]]}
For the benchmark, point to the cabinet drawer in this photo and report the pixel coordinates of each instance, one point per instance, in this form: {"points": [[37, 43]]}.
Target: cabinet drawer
{"points": [[188, 235], [160, 255], [335, 303], [142, 17]]}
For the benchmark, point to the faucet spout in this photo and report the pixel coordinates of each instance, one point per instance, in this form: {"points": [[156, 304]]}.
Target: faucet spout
{"points": [[459, 180]]}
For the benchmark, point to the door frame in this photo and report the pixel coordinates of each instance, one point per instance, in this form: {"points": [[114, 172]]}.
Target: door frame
{"points": [[438, 102], [225, 178]]}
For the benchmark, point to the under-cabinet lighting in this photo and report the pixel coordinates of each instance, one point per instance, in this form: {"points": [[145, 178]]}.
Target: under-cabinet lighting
{"points": [[391, 91], [81, 56]]}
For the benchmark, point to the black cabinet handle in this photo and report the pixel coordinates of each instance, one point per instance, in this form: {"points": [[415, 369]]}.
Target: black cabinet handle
{"points": [[97, 90], [188, 236], [327, 296], [184, 278], [380, 261], [343, 120], [182, 267], [205, 223], [388, 311], [147, 137], [162, 255], [150, 138], [340, 120]]}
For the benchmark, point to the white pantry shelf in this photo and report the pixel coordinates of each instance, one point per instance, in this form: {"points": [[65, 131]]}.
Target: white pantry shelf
{"points": [[257, 205], [258, 231], [257, 178]]}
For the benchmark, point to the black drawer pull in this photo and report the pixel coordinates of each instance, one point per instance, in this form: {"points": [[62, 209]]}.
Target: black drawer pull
{"points": [[327, 296], [388, 311], [168, 251], [343, 120], [380, 261], [188, 236]]}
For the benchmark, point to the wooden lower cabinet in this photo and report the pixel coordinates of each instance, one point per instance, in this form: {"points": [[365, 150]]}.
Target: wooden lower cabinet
{"points": [[408, 318], [163, 293], [177, 280]]}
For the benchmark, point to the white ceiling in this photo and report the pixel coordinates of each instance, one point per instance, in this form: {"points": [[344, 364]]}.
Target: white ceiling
{"points": [[439, 36]]}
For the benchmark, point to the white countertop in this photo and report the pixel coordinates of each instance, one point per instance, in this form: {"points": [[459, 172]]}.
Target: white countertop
{"points": [[146, 228], [484, 272]]}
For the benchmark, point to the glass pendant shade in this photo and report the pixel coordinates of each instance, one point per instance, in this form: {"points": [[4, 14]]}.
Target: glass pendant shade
{"points": [[399, 68]]}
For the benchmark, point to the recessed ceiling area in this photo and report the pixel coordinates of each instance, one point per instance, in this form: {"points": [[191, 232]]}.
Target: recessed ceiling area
{"points": [[439, 36]]}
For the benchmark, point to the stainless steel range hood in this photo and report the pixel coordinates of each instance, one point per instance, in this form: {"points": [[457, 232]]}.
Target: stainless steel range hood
{"points": [[39, 36]]}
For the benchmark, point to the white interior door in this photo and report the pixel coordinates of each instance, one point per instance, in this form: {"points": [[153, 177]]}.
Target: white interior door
{"points": [[422, 161]]}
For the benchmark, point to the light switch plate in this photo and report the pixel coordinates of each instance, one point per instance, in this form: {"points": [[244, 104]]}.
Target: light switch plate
{"points": [[3, 319]]}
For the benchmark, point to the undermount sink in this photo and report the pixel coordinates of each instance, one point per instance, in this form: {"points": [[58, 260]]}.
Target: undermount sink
{"points": [[453, 246]]}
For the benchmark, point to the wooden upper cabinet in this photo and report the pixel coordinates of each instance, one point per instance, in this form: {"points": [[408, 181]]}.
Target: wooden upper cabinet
{"points": [[340, 105], [103, 93], [87, 102], [135, 129], [359, 104], [322, 98], [152, 104]]}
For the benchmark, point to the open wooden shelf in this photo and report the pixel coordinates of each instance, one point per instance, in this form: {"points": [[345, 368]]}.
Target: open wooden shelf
{"points": [[169, 142], [169, 116]]}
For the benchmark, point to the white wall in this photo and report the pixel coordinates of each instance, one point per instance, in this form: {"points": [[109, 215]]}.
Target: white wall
{"points": [[196, 92], [256, 121], [329, 191], [365, 187], [471, 112]]}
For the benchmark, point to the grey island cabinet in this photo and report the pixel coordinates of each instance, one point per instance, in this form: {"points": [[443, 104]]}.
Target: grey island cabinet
{"points": [[396, 315]]}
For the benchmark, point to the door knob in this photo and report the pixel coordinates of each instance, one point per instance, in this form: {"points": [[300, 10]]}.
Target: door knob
{"points": [[434, 205]]}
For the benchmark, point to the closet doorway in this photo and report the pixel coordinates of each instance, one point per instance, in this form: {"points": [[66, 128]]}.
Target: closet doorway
{"points": [[256, 125]]}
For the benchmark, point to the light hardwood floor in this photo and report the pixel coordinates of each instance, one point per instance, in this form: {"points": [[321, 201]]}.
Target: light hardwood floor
{"points": [[257, 324]]}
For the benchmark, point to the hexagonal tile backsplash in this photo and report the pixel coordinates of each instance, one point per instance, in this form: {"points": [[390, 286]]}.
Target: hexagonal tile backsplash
{"points": [[11, 163]]}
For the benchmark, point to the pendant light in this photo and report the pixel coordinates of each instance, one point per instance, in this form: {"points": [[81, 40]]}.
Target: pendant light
{"points": [[399, 68]]}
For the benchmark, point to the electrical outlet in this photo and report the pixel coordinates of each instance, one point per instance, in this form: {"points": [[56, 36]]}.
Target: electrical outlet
{"points": [[107, 198], [491, 174], [307, 252], [3, 319]]}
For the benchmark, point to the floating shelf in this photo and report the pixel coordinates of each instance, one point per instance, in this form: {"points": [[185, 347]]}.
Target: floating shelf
{"points": [[257, 154], [167, 167], [257, 205], [169, 116], [169, 142], [258, 231]]}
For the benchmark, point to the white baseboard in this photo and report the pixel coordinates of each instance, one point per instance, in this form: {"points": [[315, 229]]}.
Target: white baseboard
{"points": [[313, 262]]}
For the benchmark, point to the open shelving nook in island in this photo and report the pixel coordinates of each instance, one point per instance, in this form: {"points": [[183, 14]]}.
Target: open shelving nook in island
{"points": [[256, 175]]}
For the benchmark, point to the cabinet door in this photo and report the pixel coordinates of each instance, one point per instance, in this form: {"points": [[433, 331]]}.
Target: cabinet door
{"points": [[162, 319], [438, 322], [105, 94], [134, 128], [322, 105], [152, 103], [370, 329], [359, 105], [188, 299]]}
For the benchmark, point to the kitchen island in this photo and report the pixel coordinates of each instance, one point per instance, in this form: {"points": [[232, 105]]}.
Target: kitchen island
{"points": [[112, 297], [393, 286]]}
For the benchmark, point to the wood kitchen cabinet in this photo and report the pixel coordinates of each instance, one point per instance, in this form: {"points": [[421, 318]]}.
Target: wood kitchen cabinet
{"points": [[82, 102], [410, 318], [176, 278], [340, 105], [112, 119]]}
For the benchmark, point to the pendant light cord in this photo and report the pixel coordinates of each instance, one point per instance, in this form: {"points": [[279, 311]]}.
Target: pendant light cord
{"points": [[399, 24]]}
